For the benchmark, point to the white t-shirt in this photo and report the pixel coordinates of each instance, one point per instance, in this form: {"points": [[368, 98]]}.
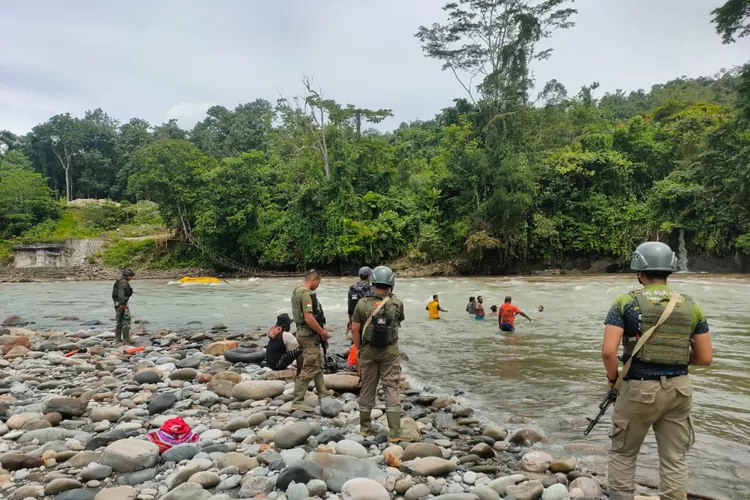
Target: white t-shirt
{"points": [[290, 341]]}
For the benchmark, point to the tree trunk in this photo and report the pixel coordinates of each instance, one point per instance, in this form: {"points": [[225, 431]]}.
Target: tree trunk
{"points": [[68, 187]]}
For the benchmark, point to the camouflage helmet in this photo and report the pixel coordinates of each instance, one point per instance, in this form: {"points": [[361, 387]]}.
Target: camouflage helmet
{"points": [[384, 276], [653, 256]]}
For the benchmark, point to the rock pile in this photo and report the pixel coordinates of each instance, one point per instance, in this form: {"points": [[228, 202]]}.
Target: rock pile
{"points": [[73, 428]]}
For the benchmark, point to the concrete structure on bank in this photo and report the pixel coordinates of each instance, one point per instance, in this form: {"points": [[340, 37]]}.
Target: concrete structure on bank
{"points": [[70, 253]]}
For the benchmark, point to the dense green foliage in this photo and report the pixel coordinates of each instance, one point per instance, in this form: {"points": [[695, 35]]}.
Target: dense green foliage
{"points": [[499, 181]]}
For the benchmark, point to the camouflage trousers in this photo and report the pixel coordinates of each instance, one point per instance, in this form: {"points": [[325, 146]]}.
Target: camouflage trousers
{"points": [[384, 366], [122, 328]]}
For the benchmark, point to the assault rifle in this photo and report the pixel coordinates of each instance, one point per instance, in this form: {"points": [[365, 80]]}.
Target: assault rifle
{"points": [[608, 400]]}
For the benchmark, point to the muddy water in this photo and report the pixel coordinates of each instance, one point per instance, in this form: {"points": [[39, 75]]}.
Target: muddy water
{"points": [[549, 371]]}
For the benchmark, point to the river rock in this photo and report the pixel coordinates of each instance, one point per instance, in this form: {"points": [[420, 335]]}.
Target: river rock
{"points": [[297, 491], [338, 469], [223, 388], [130, 455], [530, 490], [351, 448], [83, 458], [317, 488], [191, 491], [299, 472], [17, 352], [500, 484], [234, 459], [457, 496], [421, 450], [526, 438], [181, 452], [564, 465], [59, 485], [258, 389], [76, 494], [67, 407], [555, 492], [208, 399], [294, 435], [485, 493], [482, 450], [589, 486], [109, 413], [536, 461], [230, 376], [118, 493], [495, 432], [161, 403], [147, 376], [220, 347], [14, 320], [416, 492], [363, 489], [184, 374], [341, 382], [192, 361], [206, 479], [44, 436], [429, 466], [17, 461], [256, 485], [96, 471], [330, 407]]}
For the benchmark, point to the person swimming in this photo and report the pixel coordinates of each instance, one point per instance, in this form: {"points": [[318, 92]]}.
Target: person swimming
{"points": [[493, 310]]}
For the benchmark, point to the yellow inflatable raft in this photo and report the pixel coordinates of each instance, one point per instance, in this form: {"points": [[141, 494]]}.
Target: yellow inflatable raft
{"points": [[201, 279]]}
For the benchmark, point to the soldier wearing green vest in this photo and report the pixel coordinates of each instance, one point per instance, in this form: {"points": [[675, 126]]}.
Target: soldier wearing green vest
{"points": [[308, 315], [375, 324], [656, 392], [121, 292]]}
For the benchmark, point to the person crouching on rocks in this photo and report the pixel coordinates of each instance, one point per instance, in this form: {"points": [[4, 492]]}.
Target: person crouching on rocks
{"points": [[379, 354], [283, 349]]}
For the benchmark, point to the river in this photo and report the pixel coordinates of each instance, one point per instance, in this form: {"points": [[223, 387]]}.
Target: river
{"points": [[549, 371]]}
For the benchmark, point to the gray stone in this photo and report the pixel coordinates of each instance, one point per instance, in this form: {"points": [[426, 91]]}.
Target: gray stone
{"points": [[184, 374], [236, 424], [338, 469], [256, 485], [59, 485], [161, 403], [136, 478], [96, 471], [192, 467], [351, 448], [330, 407], [147, 377], [297, 491], [83, 458], [293, 435], [530, 490], [495, 432], [555, 492], [44, 436], [501, 484], [130, 455], [258, 389], [421, 450], [485, 493], [181, 452], [299, 472], [229, 483], [76, 494], [192, 491], [588, 485], [208, 399], [457, 496], [192, 361], [293, 455], [220, 497], [206, 479], [483, 450], [109, 413], [526, 438], [317, 488], [417, 491], [429, 466], [363, 489]]}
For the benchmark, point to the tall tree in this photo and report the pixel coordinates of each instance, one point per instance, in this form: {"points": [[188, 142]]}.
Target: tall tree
{"points": [[732, 20], [494, 41], [60, 139]]}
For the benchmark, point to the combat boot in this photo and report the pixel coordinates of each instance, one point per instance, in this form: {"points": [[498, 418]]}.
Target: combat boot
{"points": [[320, 386], [394, 424], [300, 390], [365, 424]]}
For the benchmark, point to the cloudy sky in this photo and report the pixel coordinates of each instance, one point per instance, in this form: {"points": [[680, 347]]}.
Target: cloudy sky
{"points": [[175, 58]]}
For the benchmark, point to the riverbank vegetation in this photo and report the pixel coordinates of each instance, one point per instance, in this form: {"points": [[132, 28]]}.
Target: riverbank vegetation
{"points": [[505, 178]]}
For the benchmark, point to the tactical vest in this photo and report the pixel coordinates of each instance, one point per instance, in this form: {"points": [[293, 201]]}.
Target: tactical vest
{"points": [[298, 308], [275, 349], [670, 343], [124, 284], [357, 291], [383, 328]]}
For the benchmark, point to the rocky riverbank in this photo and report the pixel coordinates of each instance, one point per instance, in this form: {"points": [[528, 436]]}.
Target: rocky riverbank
{"points": [[74, 427]]}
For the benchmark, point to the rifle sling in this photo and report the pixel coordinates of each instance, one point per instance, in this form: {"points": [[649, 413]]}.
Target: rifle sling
{"points": [[644, 338]]}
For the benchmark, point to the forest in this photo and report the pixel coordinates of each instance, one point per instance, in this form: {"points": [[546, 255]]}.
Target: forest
{"points": [[504, 179]]}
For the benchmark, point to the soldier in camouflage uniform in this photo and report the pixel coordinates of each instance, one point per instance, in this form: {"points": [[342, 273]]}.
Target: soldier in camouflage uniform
{"points": [[121, 293], [375, 325], [308, 315], [656, 392]]}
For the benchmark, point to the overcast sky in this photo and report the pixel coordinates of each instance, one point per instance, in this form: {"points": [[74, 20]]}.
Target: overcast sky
{"points": [[175, 58]]}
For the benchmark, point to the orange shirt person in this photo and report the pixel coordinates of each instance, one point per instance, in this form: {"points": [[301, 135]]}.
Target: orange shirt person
{"points": [[507, 315]]}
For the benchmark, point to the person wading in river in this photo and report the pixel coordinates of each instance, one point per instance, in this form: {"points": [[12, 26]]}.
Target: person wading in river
{"points": [[121, 293], [379, 354], [434, 308], [308, 316], [656, 391], [507, 315]]}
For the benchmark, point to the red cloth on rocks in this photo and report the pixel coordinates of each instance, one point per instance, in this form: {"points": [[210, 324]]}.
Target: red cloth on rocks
{"points": [[173, 432]]}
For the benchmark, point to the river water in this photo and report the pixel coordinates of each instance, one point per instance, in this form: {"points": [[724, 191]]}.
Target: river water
{"points": [[549, 371]]}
